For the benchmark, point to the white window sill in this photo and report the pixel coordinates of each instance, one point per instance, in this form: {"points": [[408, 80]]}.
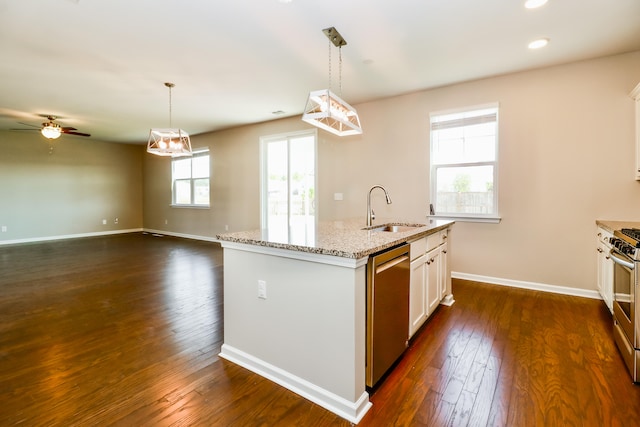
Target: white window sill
{"points": [[485, 219], [191, 206]]}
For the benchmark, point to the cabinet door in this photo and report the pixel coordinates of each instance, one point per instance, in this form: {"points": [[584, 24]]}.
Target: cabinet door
{"points": [[605, 275], [443, 269], [432, 276], [638, 134], [604, 278], [600, 268], [417, 295], [607, 280], [635, 94]]}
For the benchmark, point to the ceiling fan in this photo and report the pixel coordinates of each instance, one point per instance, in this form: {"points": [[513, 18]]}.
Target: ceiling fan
{"points": [[52, 130]]}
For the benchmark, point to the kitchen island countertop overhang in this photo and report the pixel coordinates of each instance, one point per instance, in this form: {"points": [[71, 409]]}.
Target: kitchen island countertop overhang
{"points": [[295, 306], [347, 239]]}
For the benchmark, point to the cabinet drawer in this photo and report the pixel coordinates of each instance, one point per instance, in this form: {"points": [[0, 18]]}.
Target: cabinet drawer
{"points": [[434, 240], [418, 248]]}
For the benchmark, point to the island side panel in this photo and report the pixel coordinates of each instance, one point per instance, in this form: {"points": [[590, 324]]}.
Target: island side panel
{"points": [[312, 323]]}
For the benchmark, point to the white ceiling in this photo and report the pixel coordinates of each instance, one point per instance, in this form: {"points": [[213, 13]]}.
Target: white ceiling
{"points": [[101, 65]]}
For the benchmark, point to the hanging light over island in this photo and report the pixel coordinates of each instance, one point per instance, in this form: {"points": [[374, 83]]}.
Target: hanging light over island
{"points": [[325, 109]]}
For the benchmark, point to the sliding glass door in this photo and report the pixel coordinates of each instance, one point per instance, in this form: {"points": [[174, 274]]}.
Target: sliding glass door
{"points": [[289, 186]]}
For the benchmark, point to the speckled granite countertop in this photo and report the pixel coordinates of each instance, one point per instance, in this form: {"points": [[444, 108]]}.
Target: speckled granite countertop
{"points": [[347, 239], [612, 226]]}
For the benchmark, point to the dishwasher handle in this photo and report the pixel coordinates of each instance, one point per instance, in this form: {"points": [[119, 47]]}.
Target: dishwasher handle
{"points": [[391, 263]]}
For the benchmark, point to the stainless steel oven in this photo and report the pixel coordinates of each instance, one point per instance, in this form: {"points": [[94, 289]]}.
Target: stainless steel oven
{"points": [[625, 254]]}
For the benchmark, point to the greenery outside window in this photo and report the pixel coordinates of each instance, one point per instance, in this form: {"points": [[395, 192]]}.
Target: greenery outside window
{"points": [[464, 164], [190, 180]]}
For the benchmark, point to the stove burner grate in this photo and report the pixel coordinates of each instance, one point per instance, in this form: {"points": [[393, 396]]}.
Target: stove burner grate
{"points": [[633, 233]]}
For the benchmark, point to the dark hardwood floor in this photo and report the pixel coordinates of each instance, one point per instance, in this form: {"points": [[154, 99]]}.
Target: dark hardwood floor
{"points": [[125, 330]]}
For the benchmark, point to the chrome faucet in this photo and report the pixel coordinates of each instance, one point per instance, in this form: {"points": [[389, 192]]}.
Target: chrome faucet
{"points": [[370, 214]]}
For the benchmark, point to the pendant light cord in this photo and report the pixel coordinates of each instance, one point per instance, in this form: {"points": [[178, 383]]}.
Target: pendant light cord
{"points": [[340, 71], [169, 106], [339, 68], [170, 86], [329, 64]]}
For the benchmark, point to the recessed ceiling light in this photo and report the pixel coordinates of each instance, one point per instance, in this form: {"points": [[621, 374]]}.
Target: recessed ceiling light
{"points": [[532, 4], [537, 44]]}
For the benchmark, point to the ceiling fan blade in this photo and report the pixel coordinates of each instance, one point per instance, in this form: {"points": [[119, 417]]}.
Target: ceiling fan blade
{"points": [[27, 124], [67, 129], [75, 133], [25, 129]]}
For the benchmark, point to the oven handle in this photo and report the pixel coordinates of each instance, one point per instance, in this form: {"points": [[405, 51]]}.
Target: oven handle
{"points": [[621, 261]]}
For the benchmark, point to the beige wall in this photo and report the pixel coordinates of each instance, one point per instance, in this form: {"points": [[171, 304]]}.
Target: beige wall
{"points": [[68, 191], [566, 159]]}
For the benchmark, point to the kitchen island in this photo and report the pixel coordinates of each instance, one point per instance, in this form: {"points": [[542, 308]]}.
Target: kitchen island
{"points": [[295, 306]]}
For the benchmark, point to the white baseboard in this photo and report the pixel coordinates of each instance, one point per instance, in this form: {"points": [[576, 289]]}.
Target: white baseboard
{"points": [[182, 235], [67, 236], [350, 411], [106, 233], [564, 290]]}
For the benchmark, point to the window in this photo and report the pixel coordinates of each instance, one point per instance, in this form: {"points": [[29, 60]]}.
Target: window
{"points": [[190, 180], [464, 164], [288, 186]]}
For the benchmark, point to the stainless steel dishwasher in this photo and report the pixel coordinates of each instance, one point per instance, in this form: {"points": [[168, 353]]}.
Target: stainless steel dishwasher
{"points": [[387, 310]]}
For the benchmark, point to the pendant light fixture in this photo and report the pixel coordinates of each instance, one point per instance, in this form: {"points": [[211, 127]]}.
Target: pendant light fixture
{"points": [[169, 141], [325, 109]]}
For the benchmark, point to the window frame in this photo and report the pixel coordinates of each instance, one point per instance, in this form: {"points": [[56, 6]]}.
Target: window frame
{"points": [[493, 217], [204, 152]]}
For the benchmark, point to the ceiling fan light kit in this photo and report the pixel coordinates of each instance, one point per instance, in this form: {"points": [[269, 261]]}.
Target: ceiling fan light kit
{"points": [[51, 130], [326, 110], [169, 141]]}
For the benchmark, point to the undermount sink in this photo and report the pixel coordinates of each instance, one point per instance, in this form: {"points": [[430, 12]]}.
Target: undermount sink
{"points": [[394, 228]]}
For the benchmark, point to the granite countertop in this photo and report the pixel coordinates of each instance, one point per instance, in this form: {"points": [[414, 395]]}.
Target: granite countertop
{"points": [[348, 239], [612, 226]]}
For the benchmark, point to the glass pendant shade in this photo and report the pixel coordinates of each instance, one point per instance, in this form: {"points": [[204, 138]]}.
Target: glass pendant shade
{"points": [[169, 142], [51, 131], [326, 110]]}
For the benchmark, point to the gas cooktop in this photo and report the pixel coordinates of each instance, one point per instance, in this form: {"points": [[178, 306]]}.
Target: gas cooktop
{"points": [[629, 235]]}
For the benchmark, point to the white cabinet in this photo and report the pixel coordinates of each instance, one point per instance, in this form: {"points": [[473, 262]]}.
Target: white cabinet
{"points": [[433, 279], [417, 294], [605, 267], [635, 94], [445, 276], [429, 277]]}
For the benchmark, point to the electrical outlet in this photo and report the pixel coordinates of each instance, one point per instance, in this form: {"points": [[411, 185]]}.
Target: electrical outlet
{"points": [[338, 196], [262, 289], [166, 221], [104, 222], [115, 221], [4, 228], [226, 227]]}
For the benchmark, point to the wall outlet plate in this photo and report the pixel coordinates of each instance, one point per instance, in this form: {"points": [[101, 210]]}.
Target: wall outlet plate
{"points": [[262, 289]]}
